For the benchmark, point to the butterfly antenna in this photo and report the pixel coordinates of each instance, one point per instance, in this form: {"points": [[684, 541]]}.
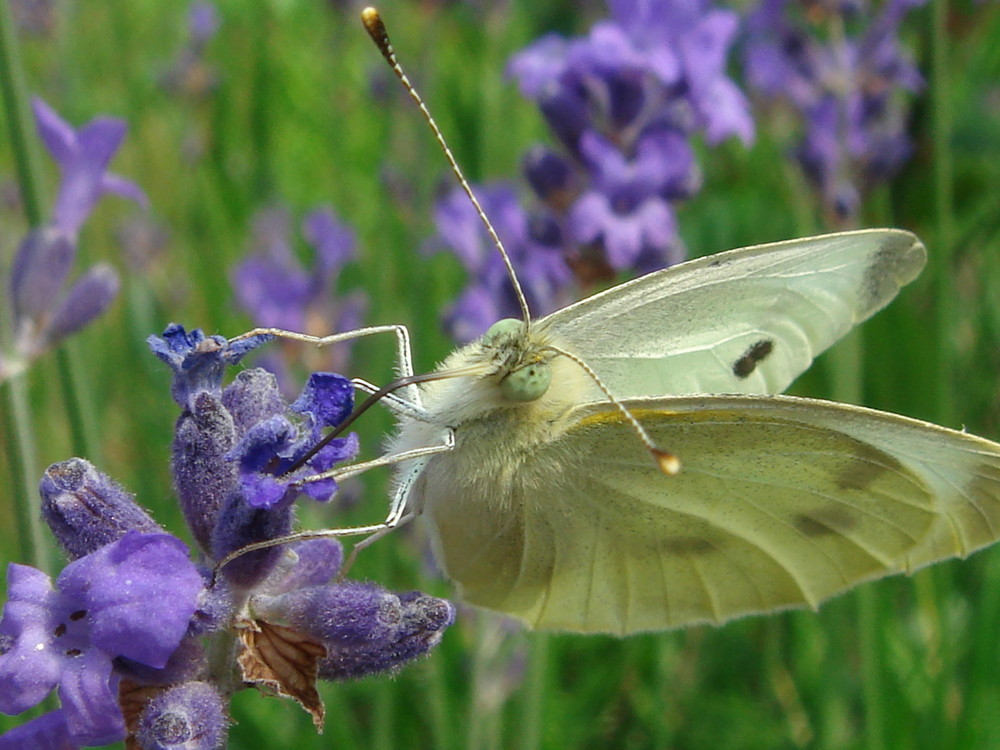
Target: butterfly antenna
{"points": [[376, 30], [667, 462]]}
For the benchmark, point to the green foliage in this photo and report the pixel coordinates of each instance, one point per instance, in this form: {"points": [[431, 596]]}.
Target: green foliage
{"points": [[306, 114]]}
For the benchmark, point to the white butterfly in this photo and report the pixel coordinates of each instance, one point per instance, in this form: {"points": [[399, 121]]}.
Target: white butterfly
{"points": [[524, 455], [548, 507]]}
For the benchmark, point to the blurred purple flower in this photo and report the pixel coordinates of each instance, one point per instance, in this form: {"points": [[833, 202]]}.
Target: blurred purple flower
{"points": [[542, 271], [846, 88], [44, 309], [623, 102], [132, 598], [203, 21], [278, 291], [191, 74], [626, 208], [83, 157]]}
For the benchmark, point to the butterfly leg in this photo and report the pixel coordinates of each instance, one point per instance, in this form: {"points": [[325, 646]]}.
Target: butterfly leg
{"points": [[447, 444], [404, 357]]}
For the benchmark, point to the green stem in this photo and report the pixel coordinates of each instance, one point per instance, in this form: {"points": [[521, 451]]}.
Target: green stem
{"points": [[79, 410], [530, 732], [15, 106], [944, 191], [22, 455]]}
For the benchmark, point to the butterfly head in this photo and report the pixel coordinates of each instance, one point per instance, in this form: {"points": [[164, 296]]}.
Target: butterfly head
{"points": [[521, 360]]}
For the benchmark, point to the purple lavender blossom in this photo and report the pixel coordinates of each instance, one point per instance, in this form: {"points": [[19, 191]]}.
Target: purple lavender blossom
{"points": [[120, 634], [45, 307], [192, 74], [278, 291], [845, 87], [624, 103], [83, 157], [365, 629], [132, 598], [241, 453], [539, 259]]}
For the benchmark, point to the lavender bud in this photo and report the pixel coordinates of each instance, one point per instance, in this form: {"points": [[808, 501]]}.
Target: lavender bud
{"points": [[365, 628], [87, 299], [346, 613], [425, 619], [203, 475], [252, 397], [190, 716], [86, 510], [240, 524], [43, 260]]}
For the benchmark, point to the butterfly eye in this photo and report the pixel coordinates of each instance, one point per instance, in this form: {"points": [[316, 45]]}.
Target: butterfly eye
{"points": [[528, 383], [508, 328]]}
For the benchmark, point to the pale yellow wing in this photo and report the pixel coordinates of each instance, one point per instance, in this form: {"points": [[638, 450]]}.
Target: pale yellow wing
{"points": [[781, 502]]}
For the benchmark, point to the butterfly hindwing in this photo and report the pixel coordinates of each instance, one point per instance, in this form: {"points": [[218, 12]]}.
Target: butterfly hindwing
{"points": [[781, 502]]}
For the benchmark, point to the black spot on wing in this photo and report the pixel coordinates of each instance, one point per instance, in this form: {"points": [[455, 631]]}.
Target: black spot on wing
{"points": [[757, 353]]}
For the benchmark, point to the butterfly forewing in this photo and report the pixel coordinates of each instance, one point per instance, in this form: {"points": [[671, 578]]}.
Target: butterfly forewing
{"points": [[745, 321], [781, 502]]}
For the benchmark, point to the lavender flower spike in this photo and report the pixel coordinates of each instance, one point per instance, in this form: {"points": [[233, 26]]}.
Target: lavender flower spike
{"points": [[83, 156]]}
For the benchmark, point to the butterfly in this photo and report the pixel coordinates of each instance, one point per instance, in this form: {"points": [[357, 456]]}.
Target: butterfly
{"points": [[551, 510], [625, 464]]}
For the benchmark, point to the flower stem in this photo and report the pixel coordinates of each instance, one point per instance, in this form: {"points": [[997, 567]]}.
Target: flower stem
{"points": [[22, 455], [944, 191]]}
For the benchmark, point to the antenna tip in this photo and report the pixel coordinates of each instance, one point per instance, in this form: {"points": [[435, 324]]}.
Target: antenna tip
{"points": [[668, 463], [372, 20]]}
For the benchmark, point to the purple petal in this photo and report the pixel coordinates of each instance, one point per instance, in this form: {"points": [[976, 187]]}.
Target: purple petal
{"points": [[327, 397], [88, 692], [334, 242], [470, 316], [112, 183], [274, 293], [140, 593], [31, 668], [57, 134], [47, 732], [539, 64]]}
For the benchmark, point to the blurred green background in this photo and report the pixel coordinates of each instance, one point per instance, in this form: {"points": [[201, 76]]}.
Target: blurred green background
{"points": [[305, 113]]}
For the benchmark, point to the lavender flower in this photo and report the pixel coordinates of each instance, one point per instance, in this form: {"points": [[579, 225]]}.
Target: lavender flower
{"points": [[623, 103], [120, 634], [192, 74], [108, 604], [278, 291], [489, 297], [844, 84], [43, 308]]}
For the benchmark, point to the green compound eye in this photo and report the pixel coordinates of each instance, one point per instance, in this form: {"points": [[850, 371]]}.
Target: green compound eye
{"points": [[506, 328], [527, 384]]}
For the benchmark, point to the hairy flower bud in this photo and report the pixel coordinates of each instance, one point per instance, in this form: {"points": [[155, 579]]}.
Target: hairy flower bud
{"points": [[86, 510]]}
